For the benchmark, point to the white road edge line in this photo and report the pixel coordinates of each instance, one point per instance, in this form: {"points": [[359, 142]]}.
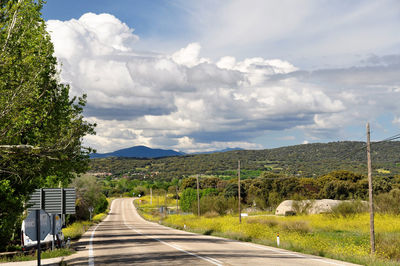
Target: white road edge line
{"points": [[91, 255], [208, 259]]}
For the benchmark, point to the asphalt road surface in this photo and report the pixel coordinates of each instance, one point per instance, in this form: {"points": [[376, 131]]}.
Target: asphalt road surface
{"points": [[125, 238]]}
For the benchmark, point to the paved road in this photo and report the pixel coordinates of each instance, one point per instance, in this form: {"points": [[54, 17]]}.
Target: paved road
{"points": [[125, 238]]}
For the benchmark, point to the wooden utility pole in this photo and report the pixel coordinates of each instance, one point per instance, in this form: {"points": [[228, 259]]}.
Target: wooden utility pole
{"points": [[177, 206], [198, 196], [240, 212], [371, 203], [151, 196]]}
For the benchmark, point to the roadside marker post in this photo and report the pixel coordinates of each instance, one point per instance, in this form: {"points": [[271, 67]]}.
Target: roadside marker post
{"points": [[277, 239]]}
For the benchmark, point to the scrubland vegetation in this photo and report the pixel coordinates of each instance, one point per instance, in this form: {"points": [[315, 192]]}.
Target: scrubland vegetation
{"points": [[308, 160], [342, 234]]}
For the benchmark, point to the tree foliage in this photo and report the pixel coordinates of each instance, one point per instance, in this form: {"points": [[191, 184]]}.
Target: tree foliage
{"points": [[88, 192], [188, 197], [308, 160], [41, 128]]}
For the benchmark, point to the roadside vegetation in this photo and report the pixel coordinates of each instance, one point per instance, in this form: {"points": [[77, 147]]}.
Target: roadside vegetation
{"points": [[41, 126], [73, 231], [339, 235], [76, 229], [47, 254]]}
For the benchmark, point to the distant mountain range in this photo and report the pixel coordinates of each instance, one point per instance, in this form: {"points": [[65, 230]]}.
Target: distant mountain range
{"points": [[138, 152], [146, 152]]}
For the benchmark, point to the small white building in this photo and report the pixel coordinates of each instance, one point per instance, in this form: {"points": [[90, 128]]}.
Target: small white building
{"points": [[291, 207]]}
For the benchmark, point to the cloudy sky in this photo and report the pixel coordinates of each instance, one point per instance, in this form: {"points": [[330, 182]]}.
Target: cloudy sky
{"points": [[204, 75]]}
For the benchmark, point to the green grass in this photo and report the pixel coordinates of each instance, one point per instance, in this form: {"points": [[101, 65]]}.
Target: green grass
{"points": [[48, 254]]}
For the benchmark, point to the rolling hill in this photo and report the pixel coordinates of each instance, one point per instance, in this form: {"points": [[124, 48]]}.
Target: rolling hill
{"points": [[138, 152], [306, 160]]}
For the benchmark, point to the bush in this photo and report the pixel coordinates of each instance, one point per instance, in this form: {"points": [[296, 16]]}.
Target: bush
{"points": [[260, 203], [99, 217], [101, 204], [232, 205], [267, 222], [388, 202], [349, 208], [231, 190], [209, 192], [211, 214], [188, 196], [388, 245], [297, 226], [216, 204], [76, 230], [207, 204], [220, 205]]}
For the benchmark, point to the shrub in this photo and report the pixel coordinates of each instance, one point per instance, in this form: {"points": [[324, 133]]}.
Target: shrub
{"points": [[211, 214], [188, 196], [217, 204], [267, 222], [260, 203], [231, 190], [206, 205], [388, 202], [75, 230], [349, 208], [388, 245], [232, 205], [99, 217], [220, 205], [297, 226], [101, 204], [209, 192]]}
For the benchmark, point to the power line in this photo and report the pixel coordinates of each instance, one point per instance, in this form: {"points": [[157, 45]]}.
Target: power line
{"points": [[397, 136], [391, 138]]}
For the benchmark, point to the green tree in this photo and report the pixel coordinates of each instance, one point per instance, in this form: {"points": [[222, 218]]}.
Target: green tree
{"points": [[188, 196], [88, 194], [231, 191], [41, 128]]}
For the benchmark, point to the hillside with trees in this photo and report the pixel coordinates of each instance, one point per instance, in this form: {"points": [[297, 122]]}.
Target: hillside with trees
{"points": [[307, 160], [334, 170]]}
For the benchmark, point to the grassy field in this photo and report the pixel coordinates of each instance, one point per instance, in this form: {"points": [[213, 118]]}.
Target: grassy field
{"points": [[344, 238]]}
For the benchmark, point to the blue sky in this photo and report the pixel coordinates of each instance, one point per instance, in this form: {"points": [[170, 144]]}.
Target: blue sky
{"points": [[204, 75]]}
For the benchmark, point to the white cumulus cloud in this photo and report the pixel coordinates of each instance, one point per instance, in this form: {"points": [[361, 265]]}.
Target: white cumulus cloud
{"points": [[187, 102]]}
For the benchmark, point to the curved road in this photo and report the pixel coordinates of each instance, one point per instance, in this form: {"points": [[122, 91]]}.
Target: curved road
{"points": [[125, 238]]}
